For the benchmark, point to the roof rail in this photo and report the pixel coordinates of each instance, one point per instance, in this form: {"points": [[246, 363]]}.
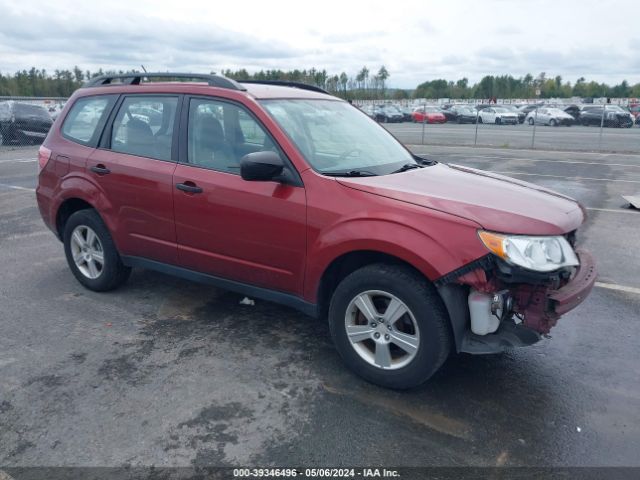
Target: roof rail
{"points": [[286, 83], [137, 78]]}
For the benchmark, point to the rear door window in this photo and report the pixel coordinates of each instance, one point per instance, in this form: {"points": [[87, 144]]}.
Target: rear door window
{"points": [[144, 126], [86, 119]]}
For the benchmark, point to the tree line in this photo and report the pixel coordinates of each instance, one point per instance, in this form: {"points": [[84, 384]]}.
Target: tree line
{"points": [[528, 86], [364, 84]]}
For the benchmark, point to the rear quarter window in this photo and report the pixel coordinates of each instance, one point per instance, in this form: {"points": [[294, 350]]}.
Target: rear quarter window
{"points": [[86, 119]]}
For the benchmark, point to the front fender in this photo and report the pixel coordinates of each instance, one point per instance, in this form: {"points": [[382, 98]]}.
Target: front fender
{"points": [[391, 236]]}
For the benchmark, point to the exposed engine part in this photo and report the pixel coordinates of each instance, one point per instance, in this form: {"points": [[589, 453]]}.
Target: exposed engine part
{"points": [[502, 305]]}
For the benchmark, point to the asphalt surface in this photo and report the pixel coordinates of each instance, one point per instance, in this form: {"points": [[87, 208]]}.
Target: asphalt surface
{"points": [[167, 372], [575, 138]]}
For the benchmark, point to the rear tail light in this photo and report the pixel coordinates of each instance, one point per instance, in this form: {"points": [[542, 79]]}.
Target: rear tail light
{"points": [[44, 154]]}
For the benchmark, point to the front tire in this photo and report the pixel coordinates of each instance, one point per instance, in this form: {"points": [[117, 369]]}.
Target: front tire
{"points": [[91, 253], [553, 122], [531, 121], [389, 326]]}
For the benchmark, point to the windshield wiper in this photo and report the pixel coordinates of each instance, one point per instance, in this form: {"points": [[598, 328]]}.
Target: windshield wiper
{"points": [[351, 173], [408, 166]]}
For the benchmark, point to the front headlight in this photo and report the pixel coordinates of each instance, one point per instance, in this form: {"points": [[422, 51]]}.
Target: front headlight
{"points": [[542, 254]]}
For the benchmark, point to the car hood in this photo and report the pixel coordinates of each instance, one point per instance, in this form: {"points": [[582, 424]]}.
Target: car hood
{"points": [[494, 202]]}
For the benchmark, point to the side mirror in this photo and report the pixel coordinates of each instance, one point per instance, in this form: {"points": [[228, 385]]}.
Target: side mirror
{"points": [[261, 166]]}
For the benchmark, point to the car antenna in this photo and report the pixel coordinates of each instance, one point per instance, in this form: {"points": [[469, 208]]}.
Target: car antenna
{"points": [[143, 69]]}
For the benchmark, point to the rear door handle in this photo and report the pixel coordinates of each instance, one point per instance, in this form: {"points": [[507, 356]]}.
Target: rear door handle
{"points": [[100, 169], [188, 187]]}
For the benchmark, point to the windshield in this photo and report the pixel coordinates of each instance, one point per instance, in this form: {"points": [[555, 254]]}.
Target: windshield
{"points": [[335, 137]]}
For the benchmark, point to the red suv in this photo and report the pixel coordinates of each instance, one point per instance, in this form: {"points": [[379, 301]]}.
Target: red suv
{"points": [[285, 193]]}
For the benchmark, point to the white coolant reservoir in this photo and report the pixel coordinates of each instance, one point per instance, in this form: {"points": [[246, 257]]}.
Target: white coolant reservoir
{"points": [[482, 320]]}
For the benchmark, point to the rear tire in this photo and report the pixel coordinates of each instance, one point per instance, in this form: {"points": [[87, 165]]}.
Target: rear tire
{"points": [[401, 348], [553, 122], [498, 121], [91, 253]]}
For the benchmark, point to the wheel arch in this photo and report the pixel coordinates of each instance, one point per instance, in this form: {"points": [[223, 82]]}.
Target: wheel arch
{"points": [[347, 263], [67, 208]]}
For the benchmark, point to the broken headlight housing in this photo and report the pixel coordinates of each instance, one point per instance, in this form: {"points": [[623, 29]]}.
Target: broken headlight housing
{"points": [[540, 254]]}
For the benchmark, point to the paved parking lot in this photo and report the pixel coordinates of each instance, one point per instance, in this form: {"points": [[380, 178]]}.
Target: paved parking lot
{"points": [[575, 138], [168, 372]]}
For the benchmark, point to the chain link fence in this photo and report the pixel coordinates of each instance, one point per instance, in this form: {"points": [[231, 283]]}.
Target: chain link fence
{"points": [[25, 121], [605, 124], [608, 125]]}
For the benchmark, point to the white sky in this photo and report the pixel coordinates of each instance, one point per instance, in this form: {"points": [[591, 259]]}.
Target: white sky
{"points": [[415, 40]]}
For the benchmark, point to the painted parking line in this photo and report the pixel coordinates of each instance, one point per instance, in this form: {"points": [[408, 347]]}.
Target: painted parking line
{"points": [[567, 178], [619, 288], [19, 160], [520, 159], [614, 210], [17, 187], [507, 150]]}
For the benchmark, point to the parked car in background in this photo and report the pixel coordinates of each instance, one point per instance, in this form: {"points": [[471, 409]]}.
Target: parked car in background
{"points": [[573, 110], [23, 123], [369, 110], [512, 108], [634, 108], [449, 112], [388, 114], [528, 108], [54, 110], [497, 115], [614, 116], [428, 114], [406, 113], [462, 114], [549, 116]]}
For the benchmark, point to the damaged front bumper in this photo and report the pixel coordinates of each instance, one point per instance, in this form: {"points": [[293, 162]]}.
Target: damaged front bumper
{"points": [[535, 301], [540, 305]]}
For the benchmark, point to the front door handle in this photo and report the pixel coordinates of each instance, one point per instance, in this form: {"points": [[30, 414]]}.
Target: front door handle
{"points": [[188, 187], [100, 169]]}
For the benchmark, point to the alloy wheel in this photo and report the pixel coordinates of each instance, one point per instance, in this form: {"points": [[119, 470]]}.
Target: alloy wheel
{"points": [[382, 329], [87, 252]]}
